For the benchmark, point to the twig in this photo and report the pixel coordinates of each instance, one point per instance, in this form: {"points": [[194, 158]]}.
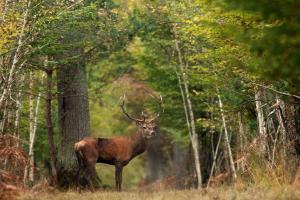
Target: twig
{"points": [[276, 91]]}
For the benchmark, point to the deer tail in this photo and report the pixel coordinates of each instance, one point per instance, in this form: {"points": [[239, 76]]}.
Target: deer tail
{"points": [[80, 157]]}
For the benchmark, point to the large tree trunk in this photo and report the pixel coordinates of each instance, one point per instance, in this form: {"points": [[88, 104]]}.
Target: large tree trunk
{"points": [[73, 113]]}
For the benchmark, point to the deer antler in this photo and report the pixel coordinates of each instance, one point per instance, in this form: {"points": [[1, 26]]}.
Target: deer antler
{"points": [[160, 109], [125, 112]]}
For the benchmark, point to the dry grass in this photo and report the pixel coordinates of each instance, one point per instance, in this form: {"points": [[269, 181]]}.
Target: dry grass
{"points": [[216, 194]]}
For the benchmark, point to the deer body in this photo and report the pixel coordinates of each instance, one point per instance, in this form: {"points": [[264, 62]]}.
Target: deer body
{"points": [[112, 150], [117, 151]]}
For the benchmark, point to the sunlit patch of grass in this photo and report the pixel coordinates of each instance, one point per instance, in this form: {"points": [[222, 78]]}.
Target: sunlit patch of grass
{"points": [[213, 193]]}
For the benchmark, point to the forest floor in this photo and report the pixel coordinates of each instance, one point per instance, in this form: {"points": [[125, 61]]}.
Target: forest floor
{"points": [[214, 194]]}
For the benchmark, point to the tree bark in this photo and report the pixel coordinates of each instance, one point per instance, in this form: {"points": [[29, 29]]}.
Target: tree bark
{"points": [[241, 142], [31, 121], [282, 125], [4, 117], [4, 11], [260, 121], [189, 110], [233, 171], [293, 135], [214, 159], [73, 112], [33, 116], [8, 85], [48, 116], [18, 108], [31, 150]]}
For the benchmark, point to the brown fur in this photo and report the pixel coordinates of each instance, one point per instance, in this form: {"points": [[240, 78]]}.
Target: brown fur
{"points": [[116, 151]]}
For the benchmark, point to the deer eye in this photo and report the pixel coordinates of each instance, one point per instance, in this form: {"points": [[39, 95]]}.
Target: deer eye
{"points": [[144, 127]]}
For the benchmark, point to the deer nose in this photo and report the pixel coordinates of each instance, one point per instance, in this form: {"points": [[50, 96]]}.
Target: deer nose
{"points": [[153, 133]]}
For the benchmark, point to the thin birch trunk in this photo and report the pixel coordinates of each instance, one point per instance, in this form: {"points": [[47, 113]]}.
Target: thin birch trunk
{"points": [[241, 140], [31, 124], [184, 104], [275, 141], [48, 116], [214, 159], [19, 108], [260, 120], [279, 115], [193, 134], [5, 10], [178, 171], [31, 121], [7, 88], [33, 116], [4, 117], [31, 150], [227, 138], [272, 135]]}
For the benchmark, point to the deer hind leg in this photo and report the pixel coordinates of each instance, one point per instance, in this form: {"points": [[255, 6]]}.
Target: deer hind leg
{"points": [[78, 176], [118, 176], [81, 167], [82, 176], [90, 172]]}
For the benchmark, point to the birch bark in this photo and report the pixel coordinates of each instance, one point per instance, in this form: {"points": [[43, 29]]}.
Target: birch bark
{"points": [[283, 131], [260, 120], [241, 141], [227, 138], [19, 107], [214, 159], [48, 116], [33, 116], [189, 112], [8, 86], [5, 10]]}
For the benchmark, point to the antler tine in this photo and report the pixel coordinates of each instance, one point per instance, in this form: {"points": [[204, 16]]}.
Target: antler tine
{"points": [[143, 115], [125, 112], [160, 108]]}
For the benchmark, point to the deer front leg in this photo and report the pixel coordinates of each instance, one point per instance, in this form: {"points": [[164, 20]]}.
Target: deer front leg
{"points": [[118, 176]]}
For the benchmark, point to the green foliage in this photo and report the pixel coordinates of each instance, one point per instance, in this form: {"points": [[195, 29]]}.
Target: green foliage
{"points": [[273, 37], [128, 47]]}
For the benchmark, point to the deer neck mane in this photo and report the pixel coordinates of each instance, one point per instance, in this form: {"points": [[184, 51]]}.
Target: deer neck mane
{"points": [[139, 143]]}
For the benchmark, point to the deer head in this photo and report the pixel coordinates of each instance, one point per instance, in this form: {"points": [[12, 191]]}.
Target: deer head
{"points": [[147, 127]]}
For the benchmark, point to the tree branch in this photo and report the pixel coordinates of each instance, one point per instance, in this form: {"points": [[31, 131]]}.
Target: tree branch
{"points": [[276, 91]]}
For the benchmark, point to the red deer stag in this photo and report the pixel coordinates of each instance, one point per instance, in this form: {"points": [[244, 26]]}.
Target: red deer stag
{"points": [[117, 151]]}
